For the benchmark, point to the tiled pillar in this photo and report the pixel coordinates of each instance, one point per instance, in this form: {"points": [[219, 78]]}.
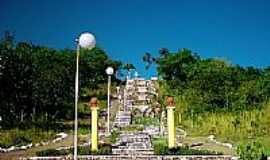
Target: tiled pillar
{"points": [[170, 121], [94, 124]]}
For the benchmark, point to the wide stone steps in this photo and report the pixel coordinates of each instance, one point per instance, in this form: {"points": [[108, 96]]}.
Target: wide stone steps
{"points": [[135, 143], [122, 119]]}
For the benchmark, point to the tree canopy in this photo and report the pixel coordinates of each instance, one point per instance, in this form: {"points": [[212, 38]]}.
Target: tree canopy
{"points": [[211, 84], [38, 82]]}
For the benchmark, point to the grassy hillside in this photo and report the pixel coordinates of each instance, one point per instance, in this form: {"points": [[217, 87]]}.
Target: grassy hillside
{"points": [[233, 127]]}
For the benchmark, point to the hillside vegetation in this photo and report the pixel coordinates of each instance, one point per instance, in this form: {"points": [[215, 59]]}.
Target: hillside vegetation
{"points": [[215, 97]]}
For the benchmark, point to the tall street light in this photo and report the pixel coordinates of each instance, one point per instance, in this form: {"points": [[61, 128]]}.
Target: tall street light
{"points": [[86, 40], [109, 72]]}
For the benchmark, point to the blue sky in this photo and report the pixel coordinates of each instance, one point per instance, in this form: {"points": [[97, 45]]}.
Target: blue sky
{"points": [[236, 30]]}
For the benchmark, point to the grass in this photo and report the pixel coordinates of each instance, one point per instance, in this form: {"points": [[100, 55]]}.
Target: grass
{"points": [[84, 108], [146, 121], [104, 149], [46, 132], [235, 128], [207, 145], [19, 137], [113, 137], [132, 128], [159, 141], [161, 148]]}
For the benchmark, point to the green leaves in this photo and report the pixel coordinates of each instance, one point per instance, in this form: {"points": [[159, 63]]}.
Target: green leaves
{"points": [[38, 82], [251, 151], [212, 84]]}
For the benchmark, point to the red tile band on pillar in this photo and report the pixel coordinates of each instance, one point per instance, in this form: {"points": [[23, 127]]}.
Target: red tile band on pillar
{"points": [[93, 102], [170, 101]]}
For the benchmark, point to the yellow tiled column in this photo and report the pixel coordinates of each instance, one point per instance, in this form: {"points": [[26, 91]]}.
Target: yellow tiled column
{"points": [[170, 121], [94, 125]]}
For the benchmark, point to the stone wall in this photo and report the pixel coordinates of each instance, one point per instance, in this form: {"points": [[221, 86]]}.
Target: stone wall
{"points": [[146, 157]]}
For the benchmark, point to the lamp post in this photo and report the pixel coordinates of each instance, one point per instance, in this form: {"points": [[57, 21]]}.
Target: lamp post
{"points": [[86, 40], [109, 72]]}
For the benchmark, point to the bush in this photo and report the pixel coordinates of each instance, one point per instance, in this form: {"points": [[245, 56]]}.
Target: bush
{"points": [[164, 150], [146, 121], [84, 150], [113, 137], [161, 148], [104, 149], [52, 152], [20, 141], [251, 151], [132, 128], [18, 137]]}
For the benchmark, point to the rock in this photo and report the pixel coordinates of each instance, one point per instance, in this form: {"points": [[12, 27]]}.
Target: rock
{"points": [[228, 145], [12, 148], [62, 135], [196, 144], [152, 130], [57, 139], [179, 144], [64, 148], [29, 145], [2, 150], [44, 143], [211, 137]]}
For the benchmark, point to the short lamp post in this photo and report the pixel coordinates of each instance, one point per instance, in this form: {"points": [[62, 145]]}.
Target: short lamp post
{"points": [[109, 72], [170, 122], [86, 40]]}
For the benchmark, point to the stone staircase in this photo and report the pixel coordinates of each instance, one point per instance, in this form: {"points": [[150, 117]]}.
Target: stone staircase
{"points": [[122, 119], [133, 143]]}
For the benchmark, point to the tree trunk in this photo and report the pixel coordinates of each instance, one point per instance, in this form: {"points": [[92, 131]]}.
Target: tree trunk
{"points": [[22, 115]]}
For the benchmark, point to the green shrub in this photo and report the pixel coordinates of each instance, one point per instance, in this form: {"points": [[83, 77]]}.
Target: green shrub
{"points": [[19, 137], [113, 137], [84, 150], [21, 140], [104, 149], [132, 128], [231, 127], [161, 148], [146, 121], [164, 150], [251, 151], [52, 152]]}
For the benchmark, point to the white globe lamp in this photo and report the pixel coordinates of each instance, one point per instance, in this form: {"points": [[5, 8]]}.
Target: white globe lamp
{"points": [[87, 40], [109, 71]]}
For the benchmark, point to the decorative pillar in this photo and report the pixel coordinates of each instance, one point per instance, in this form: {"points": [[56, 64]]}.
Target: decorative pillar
{"points": [[94, 124], [170, 121]]}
